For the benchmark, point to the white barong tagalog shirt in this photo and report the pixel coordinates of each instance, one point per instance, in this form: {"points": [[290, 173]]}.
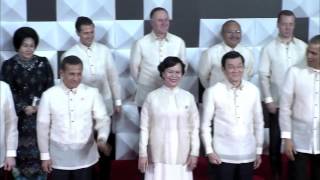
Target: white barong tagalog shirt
{"points": [[146, 55], [300, 109], [66, 121], [169, 127], [276, 58], [8, 124], [99, 71], [210, 71], [237, 120]]}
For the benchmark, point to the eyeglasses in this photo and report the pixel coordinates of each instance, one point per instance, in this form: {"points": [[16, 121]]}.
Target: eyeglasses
{"points": [[233, 32]]}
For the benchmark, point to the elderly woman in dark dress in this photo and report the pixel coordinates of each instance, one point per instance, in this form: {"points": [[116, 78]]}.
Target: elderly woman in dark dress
{"points": [[29, 76]]}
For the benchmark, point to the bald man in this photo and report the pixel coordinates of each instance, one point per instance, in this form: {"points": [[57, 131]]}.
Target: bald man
{"points": [[210, 71]]}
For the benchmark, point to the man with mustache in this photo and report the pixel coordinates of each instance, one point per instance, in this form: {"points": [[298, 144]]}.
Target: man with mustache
{"points": [[210, 63]]}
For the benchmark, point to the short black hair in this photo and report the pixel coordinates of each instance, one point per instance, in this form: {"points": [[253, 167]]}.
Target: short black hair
{"points": [[285, 13], [82, 20], [71, 60], [23, 33], [315, 39], [154, 10], [231, 55], [170, 61]]}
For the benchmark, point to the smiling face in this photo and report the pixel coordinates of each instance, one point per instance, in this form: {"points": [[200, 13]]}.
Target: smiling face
{"points": [[71, 75], [233, 70], [172, 76], [231, 34], [86, 34], [27, 48], [160, 22]]}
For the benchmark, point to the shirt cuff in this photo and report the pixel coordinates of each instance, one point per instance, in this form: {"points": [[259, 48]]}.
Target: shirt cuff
{"points": [[268, 99], [103, 137], [286, 135], [209, 150], [44, 156], [118, 102], [259, 150], [194, 153], [142, 154], [11, 153]]}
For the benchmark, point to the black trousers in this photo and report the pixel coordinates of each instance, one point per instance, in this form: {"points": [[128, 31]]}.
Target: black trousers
{"points": [[272, 122], [105, 161], [1, 173], [79, 174], [139, 111], [230, 171], [299, 168]]}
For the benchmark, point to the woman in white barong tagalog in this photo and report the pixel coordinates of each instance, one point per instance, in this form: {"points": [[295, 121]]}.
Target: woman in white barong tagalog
{"points": [[169, 128]]}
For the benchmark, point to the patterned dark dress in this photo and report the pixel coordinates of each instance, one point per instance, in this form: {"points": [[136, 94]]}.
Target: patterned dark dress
{"points": [[27, 80]]}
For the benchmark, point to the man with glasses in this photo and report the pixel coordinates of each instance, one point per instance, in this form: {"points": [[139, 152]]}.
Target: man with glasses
{"points": [[276, 58], [210, 63]]}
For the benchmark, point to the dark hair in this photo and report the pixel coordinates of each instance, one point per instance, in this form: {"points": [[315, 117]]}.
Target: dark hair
{"points": [[168, 62], [82, 20], [231, 55], [227, 23], [315, 39], [154, 10], [285, 13], [22, 33], [72, 60]]}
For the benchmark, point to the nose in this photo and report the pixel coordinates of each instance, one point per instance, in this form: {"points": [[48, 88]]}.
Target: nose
{"points": [[308, 55]]}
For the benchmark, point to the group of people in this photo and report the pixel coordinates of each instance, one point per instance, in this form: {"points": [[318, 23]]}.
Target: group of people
{"points": [[63, 130], [51, 129]]}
